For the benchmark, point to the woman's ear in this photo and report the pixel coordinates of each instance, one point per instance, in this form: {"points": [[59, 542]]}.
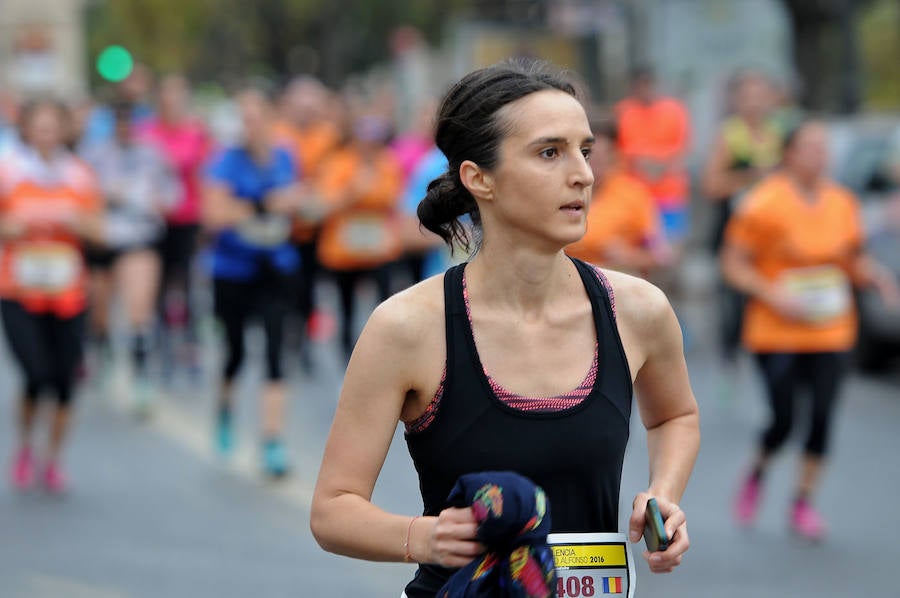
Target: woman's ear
{"points": [[479, 183]]}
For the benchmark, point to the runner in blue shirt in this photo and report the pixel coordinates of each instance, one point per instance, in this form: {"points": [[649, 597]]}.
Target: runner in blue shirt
{"points": [[249, 195]]}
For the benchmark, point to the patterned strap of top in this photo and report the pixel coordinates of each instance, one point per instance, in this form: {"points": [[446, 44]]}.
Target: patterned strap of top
{"points": [[530, 404]]}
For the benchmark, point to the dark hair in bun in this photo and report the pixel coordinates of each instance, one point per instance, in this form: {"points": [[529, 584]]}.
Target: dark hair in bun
{"points": [[468, 128]]}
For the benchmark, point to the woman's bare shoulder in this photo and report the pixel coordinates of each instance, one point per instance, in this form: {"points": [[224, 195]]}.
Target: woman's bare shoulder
{"points": [[639, 303], [411, 316]]}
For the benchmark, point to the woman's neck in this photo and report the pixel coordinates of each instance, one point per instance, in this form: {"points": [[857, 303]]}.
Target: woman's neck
{"points": [[44, 153], [807, 185], [258, 149], [755, 122], [171, 118], [517, 278]]}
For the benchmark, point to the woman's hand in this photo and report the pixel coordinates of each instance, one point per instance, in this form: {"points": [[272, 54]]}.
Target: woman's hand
{"points": [[12, 229], [448, 540], [676, 530], [888, 288], [786, 305]]}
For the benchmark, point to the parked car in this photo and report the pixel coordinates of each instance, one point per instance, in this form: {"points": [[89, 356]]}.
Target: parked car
{"points": [[866, 158]]}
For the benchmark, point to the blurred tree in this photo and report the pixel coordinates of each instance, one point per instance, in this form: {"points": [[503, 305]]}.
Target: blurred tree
{"points": [[160, 33], [234, 39], [827, 53], [879, 30]]}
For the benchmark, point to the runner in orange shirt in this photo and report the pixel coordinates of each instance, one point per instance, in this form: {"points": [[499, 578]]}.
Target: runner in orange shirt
{"points": [[623, 221], [311, 136], [48, 205], [654, 132], [361, 183], [795, 248]]}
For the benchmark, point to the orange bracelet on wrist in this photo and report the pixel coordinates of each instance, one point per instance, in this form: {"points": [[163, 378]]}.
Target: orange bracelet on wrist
{"points": [[407, 555]]}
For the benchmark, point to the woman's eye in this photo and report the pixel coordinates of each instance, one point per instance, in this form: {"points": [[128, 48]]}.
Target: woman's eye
{"points": [[586, 152], [550, 152]]}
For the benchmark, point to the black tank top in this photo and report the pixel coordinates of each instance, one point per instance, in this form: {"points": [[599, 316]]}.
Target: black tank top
{"points": [[575, 455]]}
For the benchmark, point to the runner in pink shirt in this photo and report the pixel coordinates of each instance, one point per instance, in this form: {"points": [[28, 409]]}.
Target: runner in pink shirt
{"points": [[185, 141]]}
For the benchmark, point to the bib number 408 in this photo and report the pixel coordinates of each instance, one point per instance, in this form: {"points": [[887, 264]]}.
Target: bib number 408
{"points": [[575, 587]]}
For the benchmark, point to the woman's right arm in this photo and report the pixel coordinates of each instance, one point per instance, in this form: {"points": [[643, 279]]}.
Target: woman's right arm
{"points": [[719, 180], [10, 228], [220, 209], [737, 267], [382, 371]]}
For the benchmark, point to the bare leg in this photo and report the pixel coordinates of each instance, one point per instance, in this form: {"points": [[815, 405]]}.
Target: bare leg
{"points": [[273, 407], [137, 276], [100, 290], [810, 472], [59, 428], [27, 416]]}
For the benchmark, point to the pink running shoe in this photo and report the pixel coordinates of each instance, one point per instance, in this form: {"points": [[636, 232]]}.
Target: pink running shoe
{"points": [[746, 505], [54, 480], [806, 521], [321, 326], [22, 473]]}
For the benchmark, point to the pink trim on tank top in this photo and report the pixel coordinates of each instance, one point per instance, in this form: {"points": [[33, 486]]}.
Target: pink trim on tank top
{"points": [[528, 404]]}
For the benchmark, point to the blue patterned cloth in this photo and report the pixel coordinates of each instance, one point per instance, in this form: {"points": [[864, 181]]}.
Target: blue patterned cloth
{"points": [[514, 520]]}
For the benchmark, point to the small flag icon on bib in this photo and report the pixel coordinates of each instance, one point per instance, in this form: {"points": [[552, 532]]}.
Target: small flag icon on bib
{"points": [[612, 585]]}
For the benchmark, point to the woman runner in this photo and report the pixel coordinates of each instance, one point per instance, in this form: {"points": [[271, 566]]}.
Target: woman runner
{"points": [[480, 363], [795, 248], [49, 205]]}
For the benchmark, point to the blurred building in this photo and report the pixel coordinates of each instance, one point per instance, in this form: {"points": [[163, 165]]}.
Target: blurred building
{"points": [[42, 47], [694, 46]]}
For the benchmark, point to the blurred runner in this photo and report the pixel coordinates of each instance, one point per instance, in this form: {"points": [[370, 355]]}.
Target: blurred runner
{"points": [[9, 136], [654, 132], [186, 144], [99, 121], [747, 147], [137, 186], [623, 221], [250, 196], [426, 253], [48, 206], [306, 129], [414, 144], [361, 183], [795, 248]]}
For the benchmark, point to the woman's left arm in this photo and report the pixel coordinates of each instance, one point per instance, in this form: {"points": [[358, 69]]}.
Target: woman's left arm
{"points": [[669, 412], [867, 272]]}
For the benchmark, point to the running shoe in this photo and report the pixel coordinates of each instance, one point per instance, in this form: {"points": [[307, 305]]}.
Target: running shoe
{"points": [[746, 505], [806, 522], [22, 472], [321, 326], [54, 480], [143, 397], [224, 432], [275, 458]]}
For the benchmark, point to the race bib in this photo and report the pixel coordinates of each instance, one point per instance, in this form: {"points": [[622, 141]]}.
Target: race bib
{"points": [[365, 234], [46, 267], [592, 565], [265, 231], [823, 290]]}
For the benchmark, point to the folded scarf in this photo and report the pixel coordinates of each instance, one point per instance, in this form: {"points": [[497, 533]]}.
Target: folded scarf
{"points": [[513, 517]]}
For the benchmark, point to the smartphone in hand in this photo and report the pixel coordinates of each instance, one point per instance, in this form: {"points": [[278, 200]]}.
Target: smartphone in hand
{"points": [[654, 529]]}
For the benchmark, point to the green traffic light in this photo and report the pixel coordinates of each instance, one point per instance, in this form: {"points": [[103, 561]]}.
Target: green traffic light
{"points": [[115, 63]]}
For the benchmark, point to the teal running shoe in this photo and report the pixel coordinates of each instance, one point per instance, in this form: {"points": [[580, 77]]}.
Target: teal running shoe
{"points": [[224, 432], [275, 458]]}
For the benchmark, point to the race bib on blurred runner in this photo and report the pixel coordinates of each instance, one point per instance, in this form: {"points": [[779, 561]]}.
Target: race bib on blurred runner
{"points": [[268, 230], [592, 565], [823, 290], [365, 234], [48, 267]]}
